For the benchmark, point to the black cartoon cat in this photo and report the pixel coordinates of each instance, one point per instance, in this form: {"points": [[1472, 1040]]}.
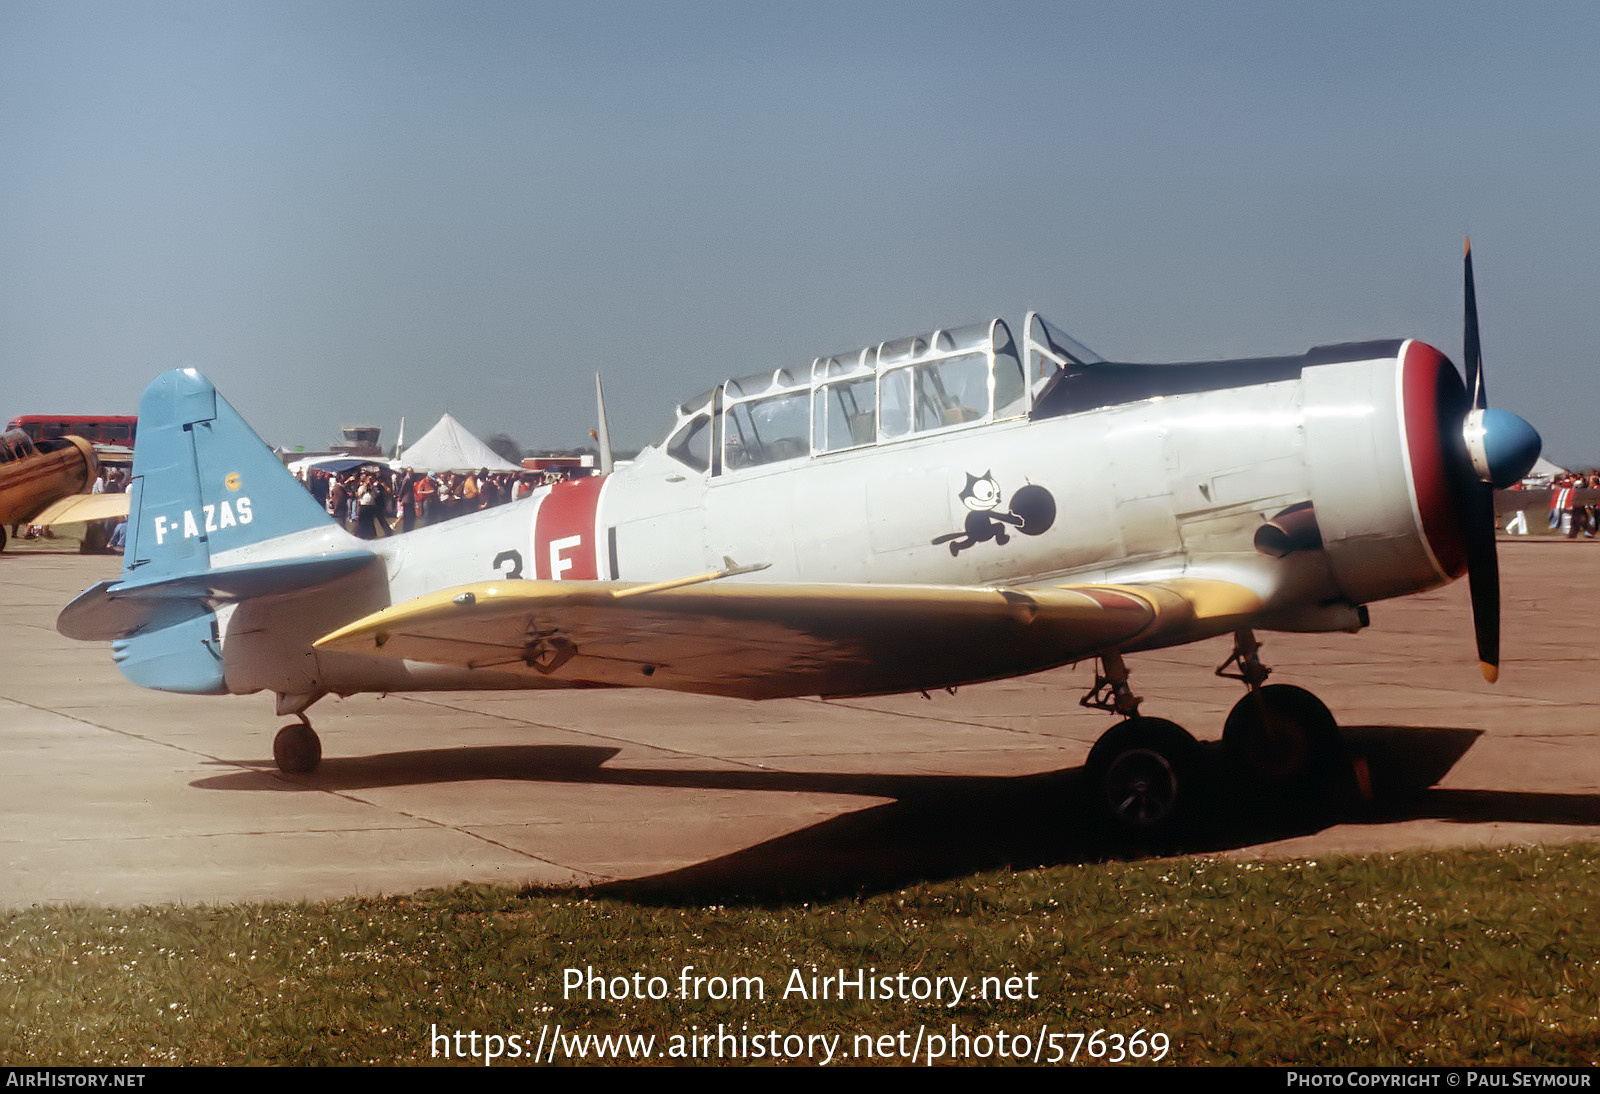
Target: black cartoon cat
{"points": [[1033, 511]]}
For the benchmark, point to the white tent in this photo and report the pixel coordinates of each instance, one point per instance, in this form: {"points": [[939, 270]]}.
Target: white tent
{"points": [[448, 446], [336, 464], [1544, 469]]}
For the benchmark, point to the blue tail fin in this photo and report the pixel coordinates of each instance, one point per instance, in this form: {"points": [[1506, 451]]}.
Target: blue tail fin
{"points": [[203, 485]]}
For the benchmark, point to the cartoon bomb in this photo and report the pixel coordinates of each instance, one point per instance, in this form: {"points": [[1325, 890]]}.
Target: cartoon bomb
{"points": [[1032, 512]]}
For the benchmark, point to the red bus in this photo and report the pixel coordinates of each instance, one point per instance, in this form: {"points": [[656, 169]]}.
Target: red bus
{"points": [[99, 429]]}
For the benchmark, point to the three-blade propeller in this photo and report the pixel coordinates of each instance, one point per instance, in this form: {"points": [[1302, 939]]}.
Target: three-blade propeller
{"points": [[1500, 449]]}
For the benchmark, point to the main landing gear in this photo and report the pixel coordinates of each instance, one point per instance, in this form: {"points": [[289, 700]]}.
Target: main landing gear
{"points": [[1141, 770], [297, 748], [1280, 740]]}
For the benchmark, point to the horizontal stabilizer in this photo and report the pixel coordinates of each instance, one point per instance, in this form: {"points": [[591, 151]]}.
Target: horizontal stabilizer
{"points": [[120, 609]]}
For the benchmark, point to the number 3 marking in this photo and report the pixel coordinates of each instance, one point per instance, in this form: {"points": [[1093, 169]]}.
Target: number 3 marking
{"points": [[514, 572]]}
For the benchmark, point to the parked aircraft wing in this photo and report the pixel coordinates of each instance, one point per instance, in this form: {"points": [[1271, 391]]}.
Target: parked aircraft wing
{"points": [[78, 508], [765, 641]]}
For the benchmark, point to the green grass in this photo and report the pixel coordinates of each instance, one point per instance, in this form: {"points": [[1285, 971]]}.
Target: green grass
{"points": [[1488, 957]]}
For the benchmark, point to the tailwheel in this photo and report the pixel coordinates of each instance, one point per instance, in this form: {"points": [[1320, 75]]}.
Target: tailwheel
{"points": [[1142, 776], [1283, 741], [297, 749]]}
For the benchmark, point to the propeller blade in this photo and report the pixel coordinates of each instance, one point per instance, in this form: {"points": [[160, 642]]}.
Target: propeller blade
{"points": [[1499, 448], [1477, 498], [1483, 579], [1471, 351]]}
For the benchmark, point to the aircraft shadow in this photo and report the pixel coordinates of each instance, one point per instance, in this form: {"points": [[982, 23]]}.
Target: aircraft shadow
{"points": [[941, 826]]}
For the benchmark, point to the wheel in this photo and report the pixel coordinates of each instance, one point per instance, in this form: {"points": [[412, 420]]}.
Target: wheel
{"points": [[1142, 775], [2, 537], [297, 749], [1281, 739]]}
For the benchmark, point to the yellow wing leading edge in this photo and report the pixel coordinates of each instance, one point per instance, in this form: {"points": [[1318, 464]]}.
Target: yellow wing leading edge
{"points": [[765, 641]]}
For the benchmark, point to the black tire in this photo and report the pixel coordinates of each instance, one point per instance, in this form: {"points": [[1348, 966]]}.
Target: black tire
{"points": [[1142, 777], [297, 749], [1283, 741]]}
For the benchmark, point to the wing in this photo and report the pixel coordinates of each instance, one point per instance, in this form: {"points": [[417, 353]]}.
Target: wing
{"points": [[767, 641], [78, 508]]}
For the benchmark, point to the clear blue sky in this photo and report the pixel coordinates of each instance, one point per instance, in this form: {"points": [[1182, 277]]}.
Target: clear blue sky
{"points": [[353, 211]]}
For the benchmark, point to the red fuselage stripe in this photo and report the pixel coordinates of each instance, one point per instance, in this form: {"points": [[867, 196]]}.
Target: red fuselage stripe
{"points": [[565, 547]]}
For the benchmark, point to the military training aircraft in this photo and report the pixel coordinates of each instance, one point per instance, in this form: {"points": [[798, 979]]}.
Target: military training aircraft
{"points": [[40, 483], [921, 514]]}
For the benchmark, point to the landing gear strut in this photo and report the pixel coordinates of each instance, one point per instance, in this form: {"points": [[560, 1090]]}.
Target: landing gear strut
{"points": [[1280, 738], [1141, 770], [297, 748], [1111, 691]]}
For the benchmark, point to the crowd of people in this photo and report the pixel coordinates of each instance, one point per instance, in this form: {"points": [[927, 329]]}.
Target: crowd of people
{"points": [[1566, 508], [373, 501]]}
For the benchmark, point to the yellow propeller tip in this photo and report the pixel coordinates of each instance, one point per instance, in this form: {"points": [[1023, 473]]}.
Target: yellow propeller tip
{"points": [[1491, 673]]}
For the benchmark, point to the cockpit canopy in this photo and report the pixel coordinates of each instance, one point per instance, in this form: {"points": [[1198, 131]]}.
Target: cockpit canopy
{"points": [[16, 445], [931, 383]]}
